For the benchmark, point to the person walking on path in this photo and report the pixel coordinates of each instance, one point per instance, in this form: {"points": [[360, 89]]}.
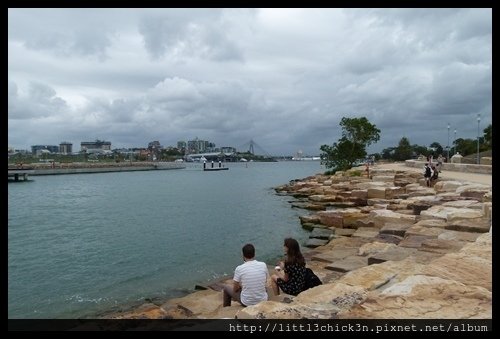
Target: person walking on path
{"points": [[427, 174], [249, 281], [440, 162]]}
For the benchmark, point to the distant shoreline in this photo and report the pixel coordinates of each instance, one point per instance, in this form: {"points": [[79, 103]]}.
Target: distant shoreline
{"points": [[81, 168]]}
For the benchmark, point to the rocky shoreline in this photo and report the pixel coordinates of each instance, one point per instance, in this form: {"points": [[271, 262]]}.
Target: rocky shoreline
{"points": [[385, 247]]}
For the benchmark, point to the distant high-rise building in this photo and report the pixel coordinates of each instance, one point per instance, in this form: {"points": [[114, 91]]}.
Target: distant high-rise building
{"points": [[95, 145], [154, 145], [66, 147], [37, 149], [181, 146], [199, 146]]}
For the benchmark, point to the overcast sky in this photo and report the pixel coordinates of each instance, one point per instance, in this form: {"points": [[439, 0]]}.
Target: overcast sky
{"points": [[282, 77]]}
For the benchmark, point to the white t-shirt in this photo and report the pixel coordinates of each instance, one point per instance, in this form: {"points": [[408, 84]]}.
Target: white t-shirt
{"points": [[252, 276]]}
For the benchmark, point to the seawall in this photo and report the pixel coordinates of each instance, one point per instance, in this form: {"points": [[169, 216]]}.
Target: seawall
{"points": [[456, 167], [81, 168]]}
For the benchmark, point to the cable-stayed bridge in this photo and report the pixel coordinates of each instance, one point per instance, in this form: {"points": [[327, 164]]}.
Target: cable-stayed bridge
{"points": [[253, 148]]}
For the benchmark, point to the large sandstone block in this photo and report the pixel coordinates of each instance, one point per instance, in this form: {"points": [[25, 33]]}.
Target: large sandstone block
{"points": [[414, 241], [462, 267], [360, 194], [333, 296], [335, 254], [321, 233], [348, 264], [393, 254], [197, 303], [425, 297], [383, 178], [380, 276], [441, 246], [381, 217], [366, 232], [393, 192], [459, 236], [379, 202], [340, 218], [450, 213], [376, 192], [481, 225], [395, 228], [313, 242], [322, 198], [420, 230], [447, 186], [320, 302], [309, 219], [375, 247]]}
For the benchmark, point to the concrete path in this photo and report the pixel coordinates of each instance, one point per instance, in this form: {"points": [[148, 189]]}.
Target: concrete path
{"points": [[485, 179]]}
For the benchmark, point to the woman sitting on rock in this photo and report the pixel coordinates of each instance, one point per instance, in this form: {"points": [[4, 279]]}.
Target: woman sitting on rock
{"points": [[290, 274]]}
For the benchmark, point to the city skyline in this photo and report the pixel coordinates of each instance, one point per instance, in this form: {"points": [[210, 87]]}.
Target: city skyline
{"points": [[282, 77]]}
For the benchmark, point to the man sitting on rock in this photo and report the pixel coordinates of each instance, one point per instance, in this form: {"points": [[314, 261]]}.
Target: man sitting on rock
{"points": [[249, 281]]}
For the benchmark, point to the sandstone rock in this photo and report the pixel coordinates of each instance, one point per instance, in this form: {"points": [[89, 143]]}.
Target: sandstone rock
{"points": [[450, 213], [381, 217], [447, 186], [480, 225], [381, 276], [313, 243], [335, 254], [393, 254], [345, 232], [321, 233], [348, 264], [413, 241], [441, 245], [322, 198], [376, 192], [419, 230], [424, 297], [193, 305], [366, 232], [459, 236], [395, 228]]}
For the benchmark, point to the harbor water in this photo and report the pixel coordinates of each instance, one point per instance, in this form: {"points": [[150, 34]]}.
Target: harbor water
{"points": [[83, 244]]}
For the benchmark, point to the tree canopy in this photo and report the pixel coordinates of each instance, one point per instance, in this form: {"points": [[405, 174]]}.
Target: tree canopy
{"points": [[357, 134], [404, 150]]}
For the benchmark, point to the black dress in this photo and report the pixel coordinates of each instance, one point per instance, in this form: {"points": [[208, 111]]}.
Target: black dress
{"points": [[296, 279]]}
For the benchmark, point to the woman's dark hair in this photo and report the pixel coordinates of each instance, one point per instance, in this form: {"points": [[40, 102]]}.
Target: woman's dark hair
{"points": [[248, 251], [294, 256]]}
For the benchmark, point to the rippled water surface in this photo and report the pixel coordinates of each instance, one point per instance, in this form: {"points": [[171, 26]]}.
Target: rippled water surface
{"points": [[82, 244]]}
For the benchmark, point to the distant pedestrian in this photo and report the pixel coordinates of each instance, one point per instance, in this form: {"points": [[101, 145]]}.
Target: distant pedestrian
{"points": [[427, 174], [434, 175], [440, 162]]}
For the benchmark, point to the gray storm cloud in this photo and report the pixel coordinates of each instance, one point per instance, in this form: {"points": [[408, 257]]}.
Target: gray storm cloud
{"points": [[283, 77]]}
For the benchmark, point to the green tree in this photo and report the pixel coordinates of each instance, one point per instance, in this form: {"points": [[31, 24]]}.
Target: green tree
{"points": [[487, 137], [465, 146], [404, 150], [438, 148], [388, 153], [420, 150], [357, 134]]}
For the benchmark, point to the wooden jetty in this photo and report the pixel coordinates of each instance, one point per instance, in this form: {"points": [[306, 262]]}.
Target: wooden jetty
{"points": [[16, 175], [216, 169]]}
